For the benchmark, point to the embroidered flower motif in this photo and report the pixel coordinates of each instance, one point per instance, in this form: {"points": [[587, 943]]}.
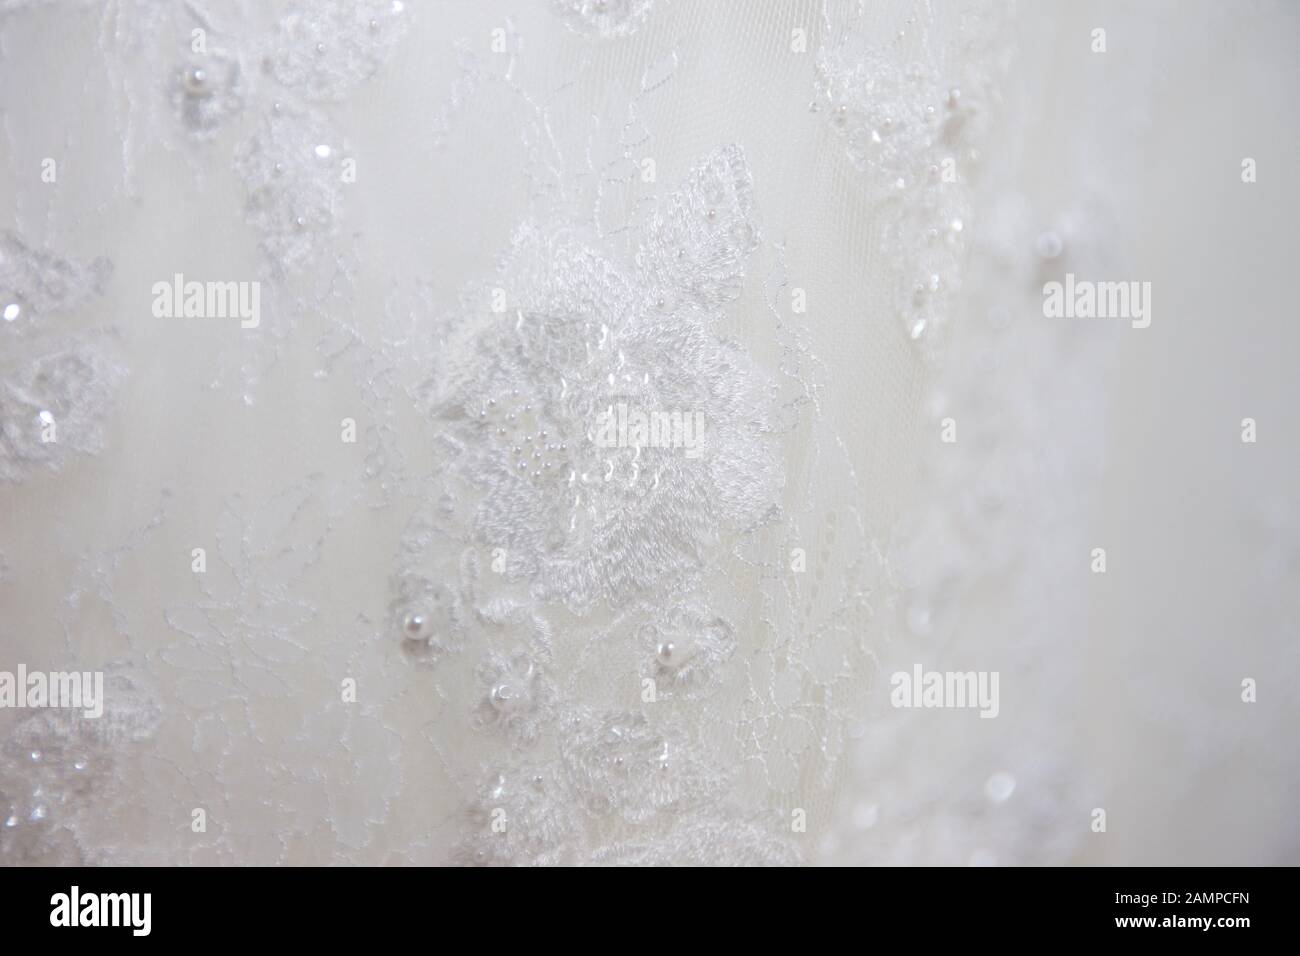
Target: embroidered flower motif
{"points": [[588, 331], [206, 93], [56, 770], [55, 388], [683, 652], [907, 123], [622, 764], [603, 18], [515, 696], [520, 818]]}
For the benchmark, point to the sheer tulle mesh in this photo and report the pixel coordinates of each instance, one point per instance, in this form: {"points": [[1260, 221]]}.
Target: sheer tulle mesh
{"points": [[365, 584]]}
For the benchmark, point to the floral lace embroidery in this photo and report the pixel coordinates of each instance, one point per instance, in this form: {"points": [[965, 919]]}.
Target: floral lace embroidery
{"points": [[57, 386], [909, 110], [588, 335], [603, 18], [534, 521]]}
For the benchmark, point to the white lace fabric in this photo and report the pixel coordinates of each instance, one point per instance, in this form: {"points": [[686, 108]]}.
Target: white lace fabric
{"points": [[439, 618]]}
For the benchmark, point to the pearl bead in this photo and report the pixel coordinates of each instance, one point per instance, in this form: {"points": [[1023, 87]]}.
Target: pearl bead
{"points": [[505, 698], [12, 311], [674, 653], [196, 82], [417, 627]]}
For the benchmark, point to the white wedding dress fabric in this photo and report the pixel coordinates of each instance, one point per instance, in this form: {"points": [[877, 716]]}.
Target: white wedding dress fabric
{"points": [[434, 621]]}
